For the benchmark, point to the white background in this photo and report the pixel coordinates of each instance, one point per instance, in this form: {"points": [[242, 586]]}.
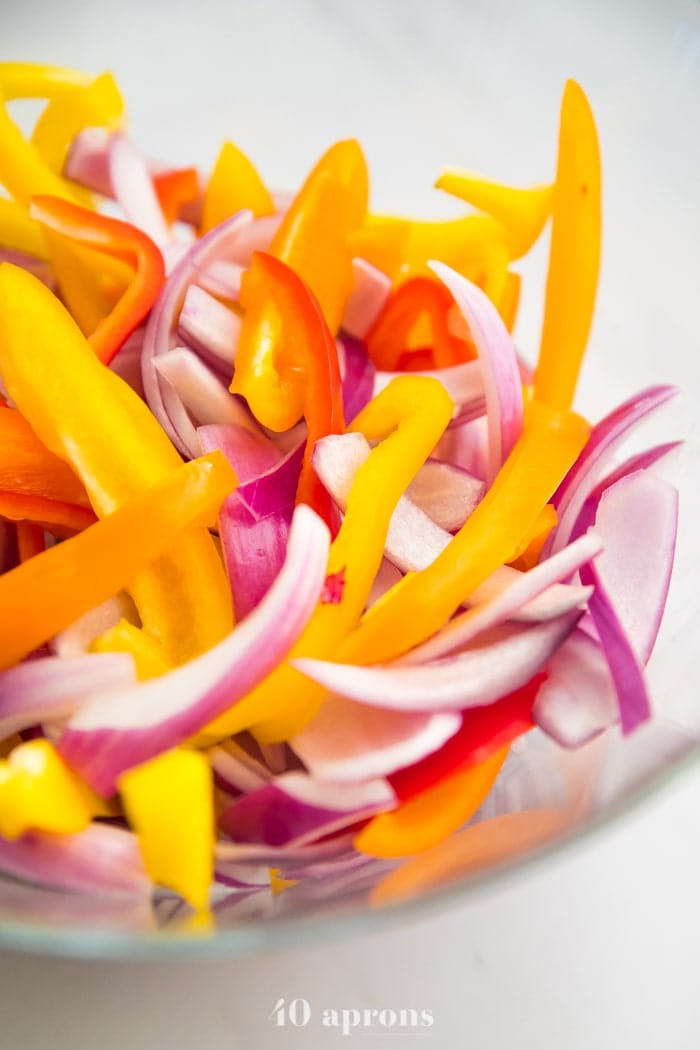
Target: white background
{"points": [[593, 949]]}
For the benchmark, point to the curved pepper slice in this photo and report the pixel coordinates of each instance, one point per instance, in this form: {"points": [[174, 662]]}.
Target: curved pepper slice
{"points": [[521, 212], [57, 517], [420, 604], [314, 236], [87, 415], [419, 299], [233, 185], [39, 792], [119, 240], [431, 816], [574, 255], [169, 802], [174, 189], [27, 466], [407, 419], [80, 573], [294, 371], [125, 637], [20, 233]]}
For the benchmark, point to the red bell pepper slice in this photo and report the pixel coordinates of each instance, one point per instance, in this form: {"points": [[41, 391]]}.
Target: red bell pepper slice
{"points": [[121, 241], [484, 731], [418, 299], [294, 369]]}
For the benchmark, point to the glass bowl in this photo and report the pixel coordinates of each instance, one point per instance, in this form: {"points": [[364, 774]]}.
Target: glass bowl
{"points": [[475, 85]]}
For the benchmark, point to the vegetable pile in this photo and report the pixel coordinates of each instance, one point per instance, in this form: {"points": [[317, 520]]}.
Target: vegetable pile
{"points": [[293, 544]]}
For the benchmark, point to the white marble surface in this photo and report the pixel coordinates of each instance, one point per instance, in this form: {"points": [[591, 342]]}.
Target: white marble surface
{"points": [[599, 947]]}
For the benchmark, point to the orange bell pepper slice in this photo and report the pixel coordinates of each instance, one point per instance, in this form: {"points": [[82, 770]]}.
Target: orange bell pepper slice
{"points": [[431, 816], [174, 189], [80, 573], [294, 371], [574, 255], [118, 240]]}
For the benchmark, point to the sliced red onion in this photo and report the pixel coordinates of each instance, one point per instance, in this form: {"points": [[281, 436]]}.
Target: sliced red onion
{"points": [[464, 383], [500, 661], [465, 444], [641, 461], [370, 291], [335, 847], [113, 733], [202, 393], [250, 454], [294, 809], [100, 860], [39, 267], [446, 493], [357, 371], [161, 330], [127, 361], [523, 588], [577, 701], [637, 519], [76, 639], [133, 190], [210, 326], [52, 688], [254, 520], [499, 364], [325, 870], [414, 540], [604, 440], [236, 768], [347, 741]]}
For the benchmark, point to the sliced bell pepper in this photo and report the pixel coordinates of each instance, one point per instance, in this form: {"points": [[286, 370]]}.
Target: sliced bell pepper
{"points": [[57, 517], [39, 792], [407, 419], [295, 370], [420, 604], [394, 331], [314, 235], [39, 80], [27, 466], [174, 189], [521, 212], [433, 815], [125, 637], [574, 254], [508, 306], [98, 104], [118, 240], [20, 233], [74, 576], [169, 802], [30, 540], [233, 185], [527, 553], [484, 730]]}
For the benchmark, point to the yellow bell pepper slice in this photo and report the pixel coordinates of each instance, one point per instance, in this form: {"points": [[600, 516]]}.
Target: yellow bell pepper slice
{"points": [[73, 577], [510, 299], [38, 80], [407, 418], [87, 415], [420, 604], [98, 104], [125, 637], [169, 802], [521, 212], [233, 185], [574, 256], [431, 816], [38, 792], [19, 232]]}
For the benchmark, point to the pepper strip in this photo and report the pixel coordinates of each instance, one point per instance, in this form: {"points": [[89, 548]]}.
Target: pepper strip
{"points": [[418, 299], [407, 417], [420, 604], [57, 517], [87, 415], [233, 185], [294, 370], [18, 232], [125, 637], [314, 235], [74, 576], [39, 792], [28, 468], [174, 189], [119, 240], [431, 816], [30, 540], [521, 212], [574, 255], [169, 802]]}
